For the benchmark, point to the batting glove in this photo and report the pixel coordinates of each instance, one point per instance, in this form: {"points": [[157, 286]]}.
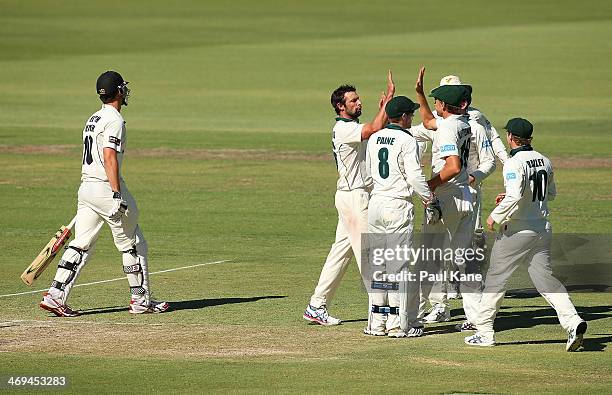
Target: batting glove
{"points": [[119, 207], [433, 211]]}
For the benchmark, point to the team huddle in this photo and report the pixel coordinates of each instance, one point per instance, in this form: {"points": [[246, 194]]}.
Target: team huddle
{"points": [[380, 173]]}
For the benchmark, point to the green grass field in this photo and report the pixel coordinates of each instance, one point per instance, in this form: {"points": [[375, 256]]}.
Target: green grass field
{"points": [[228, 157]]}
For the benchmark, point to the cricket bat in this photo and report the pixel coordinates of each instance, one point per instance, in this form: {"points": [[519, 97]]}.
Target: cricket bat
{"points": [[46, 256]]}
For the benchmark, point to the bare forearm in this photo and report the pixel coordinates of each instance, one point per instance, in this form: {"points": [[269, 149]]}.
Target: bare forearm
{"points": [[429, 121], [379, 121], [427, 116], [447, 173]]}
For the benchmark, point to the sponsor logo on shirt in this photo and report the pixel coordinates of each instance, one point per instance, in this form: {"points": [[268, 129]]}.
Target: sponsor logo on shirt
{"points": [[114, 140], [511, 176], [448, 147], [486, 143]]}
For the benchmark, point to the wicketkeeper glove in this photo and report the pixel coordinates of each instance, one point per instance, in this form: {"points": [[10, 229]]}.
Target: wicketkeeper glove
{"points": [[433, 211], [119, 208]]}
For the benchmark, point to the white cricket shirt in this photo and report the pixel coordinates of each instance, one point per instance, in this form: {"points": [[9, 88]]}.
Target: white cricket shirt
{"points": [[104, 129], [392, 159], [529, 182], [349, 153]]}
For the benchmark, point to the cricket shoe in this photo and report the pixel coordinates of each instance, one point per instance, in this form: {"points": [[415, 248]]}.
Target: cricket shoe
{"points": [[319, 315], [465, 326], [478, 340], [396, 332], [575, 337], [374, 332], [439, 313], [415, 331], [140, 306], [57, 307]]}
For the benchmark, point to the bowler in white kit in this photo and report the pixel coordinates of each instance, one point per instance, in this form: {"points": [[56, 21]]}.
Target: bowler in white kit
{"points": [[349, 139]]}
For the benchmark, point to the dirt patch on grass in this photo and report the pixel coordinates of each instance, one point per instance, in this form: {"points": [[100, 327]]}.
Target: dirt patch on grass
{"points": [[171, 153], [437, 362], [39, 149], [559, 162], [574, 162], [235, 154], [163, 341]]}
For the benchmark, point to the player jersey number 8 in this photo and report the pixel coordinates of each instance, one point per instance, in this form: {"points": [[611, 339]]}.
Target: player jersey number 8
{"points": [[383, 164]]}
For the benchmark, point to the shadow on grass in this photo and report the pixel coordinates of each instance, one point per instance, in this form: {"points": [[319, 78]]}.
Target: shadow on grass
{"points": [[527, 293], [507, 320], [591, 344], [186, 304], [203, 303]]}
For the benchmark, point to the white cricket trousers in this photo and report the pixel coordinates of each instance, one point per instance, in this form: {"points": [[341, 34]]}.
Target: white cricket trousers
{"points": [[391, 225], [511, 249], [477, 200], [352, 209], [95, 202], [455, 232]]}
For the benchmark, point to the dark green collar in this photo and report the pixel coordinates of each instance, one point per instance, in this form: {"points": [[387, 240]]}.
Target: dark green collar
{"points": [[347, 119], [521, 148], [397, 127]]}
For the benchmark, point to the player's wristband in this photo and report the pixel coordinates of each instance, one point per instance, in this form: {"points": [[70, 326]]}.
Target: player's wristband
{"points": [[116, 195]]}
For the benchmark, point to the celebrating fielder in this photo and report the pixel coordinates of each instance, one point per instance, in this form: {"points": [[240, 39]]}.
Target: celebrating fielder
{"points": [[525, 236], [393, 161], [348, 144], [103, 197], [450, 153]]}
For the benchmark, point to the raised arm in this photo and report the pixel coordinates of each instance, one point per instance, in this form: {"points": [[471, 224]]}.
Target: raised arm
{"points": [[429, 121], [380, 120], [498, 147]]}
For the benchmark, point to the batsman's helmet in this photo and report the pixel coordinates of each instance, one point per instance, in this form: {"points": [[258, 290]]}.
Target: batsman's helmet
{"points": [[111, 82]]}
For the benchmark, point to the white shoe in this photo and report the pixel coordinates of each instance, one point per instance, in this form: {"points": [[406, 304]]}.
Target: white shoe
{"points": [[439, 313], [139, 306], [415, 331], [319, 315], [374, 332], [57, 307], [478, 340], [396, 332], [575, 337]]}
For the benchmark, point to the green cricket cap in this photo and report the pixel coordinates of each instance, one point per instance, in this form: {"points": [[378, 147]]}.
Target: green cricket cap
{"points": [[400, 105], [519, 127], [452, 95]]}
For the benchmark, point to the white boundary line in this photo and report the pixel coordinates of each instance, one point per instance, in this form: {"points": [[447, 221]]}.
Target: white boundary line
{"points": [[123, 278]]}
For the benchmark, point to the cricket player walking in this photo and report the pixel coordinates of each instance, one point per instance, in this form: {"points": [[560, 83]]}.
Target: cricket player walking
{"points": [[525, 236], [393, 161], [349, 141], [103, 197]]}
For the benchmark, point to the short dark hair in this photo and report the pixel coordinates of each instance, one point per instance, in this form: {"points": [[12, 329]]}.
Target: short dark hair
{"points": [[520, 141], [107, 98], [337, 96]]}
